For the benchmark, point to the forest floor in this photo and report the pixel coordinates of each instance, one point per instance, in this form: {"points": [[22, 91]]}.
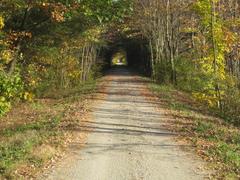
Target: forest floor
{"points": [[127, 139]]}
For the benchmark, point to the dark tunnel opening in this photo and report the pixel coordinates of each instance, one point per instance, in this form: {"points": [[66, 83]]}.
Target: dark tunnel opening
{"points": [[136, 50]]}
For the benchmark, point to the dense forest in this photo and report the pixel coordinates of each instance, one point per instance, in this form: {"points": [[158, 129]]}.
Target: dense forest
{"points": [[47, 45], [50, 45]]}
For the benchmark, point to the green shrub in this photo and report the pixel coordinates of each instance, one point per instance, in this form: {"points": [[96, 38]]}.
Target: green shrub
{"points": [[163, 73], [11, 87]]}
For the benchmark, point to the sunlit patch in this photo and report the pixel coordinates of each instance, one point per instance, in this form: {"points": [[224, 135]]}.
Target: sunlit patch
{"points": [[119, 58]]}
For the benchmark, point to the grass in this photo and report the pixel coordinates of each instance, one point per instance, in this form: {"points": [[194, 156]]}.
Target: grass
{"points": [[18, 143], [17, 150], [34, 133], [215, 140], [39, 125], [84, 88]]}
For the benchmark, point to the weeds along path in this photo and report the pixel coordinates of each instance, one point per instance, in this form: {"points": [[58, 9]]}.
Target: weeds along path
{"points": [[127, 140]]}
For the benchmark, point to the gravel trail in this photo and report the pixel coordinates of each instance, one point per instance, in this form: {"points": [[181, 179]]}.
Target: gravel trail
{"points": [[127, 141]]}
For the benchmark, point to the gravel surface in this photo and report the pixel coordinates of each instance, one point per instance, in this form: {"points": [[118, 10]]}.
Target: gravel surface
{"points": [[127, 141]]}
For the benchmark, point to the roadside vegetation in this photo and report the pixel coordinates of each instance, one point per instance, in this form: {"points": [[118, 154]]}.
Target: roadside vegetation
{"points": [[34, 135], [215, 140], [194, 45]]}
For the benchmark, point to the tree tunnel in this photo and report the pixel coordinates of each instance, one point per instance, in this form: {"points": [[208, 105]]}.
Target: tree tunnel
{"points": [[129, 51]]}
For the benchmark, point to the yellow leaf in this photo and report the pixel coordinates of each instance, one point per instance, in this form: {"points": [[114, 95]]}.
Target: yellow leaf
{"points": [[1, 22]]}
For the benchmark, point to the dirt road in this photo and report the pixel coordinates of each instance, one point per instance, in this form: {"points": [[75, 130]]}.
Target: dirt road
{"points": [[127, 141]]}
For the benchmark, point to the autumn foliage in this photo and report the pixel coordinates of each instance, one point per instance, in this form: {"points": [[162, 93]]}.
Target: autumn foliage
{"points": [[195, 46], [50, 45]]}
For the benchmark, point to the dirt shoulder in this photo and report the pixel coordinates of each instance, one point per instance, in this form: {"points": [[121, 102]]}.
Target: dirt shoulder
{"points": [[212, 139], [36, 135]]}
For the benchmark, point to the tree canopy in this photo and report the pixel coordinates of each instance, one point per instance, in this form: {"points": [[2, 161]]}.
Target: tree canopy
{"points": [[191, 44]]}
